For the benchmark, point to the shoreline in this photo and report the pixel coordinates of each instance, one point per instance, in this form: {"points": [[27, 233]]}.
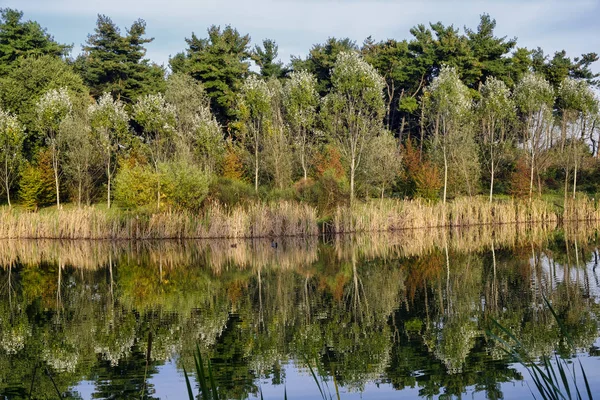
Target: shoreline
{"points": [[287, 219]]}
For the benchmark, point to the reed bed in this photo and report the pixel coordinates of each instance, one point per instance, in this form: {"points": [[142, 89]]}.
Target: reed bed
{"points": [[287, 219], [216, 221], [391, 215]]}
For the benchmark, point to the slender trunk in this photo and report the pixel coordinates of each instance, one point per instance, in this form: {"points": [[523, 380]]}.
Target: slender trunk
{"points": [[422, 125], [303, 165], [531, 176], [445, 175], [55, 167], [108, 175], [566, 188], [6, 181], [157, 186], [256, 133], [563, 131], [492, 181], [352, 168], [575, 180], [79, 193]]}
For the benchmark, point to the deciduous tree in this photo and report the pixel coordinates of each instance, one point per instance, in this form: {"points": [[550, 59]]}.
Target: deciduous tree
{"points": [[12, 135]]}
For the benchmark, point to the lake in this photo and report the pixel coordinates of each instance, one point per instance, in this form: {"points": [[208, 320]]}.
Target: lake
{"points": [[376, 316]]}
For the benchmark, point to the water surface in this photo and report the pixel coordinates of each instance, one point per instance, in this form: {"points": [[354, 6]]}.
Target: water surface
{"points": [[392, 316]]}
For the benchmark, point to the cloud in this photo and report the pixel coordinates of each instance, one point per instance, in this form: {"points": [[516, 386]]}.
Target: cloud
{"points": [[298, 24]]}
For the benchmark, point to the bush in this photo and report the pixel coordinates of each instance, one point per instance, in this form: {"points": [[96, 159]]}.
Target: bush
{"points": [[231, 192], [36, 188], [135, 185], [184, 185]]}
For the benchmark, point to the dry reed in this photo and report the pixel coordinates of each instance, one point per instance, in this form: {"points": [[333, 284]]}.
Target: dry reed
{"points": [[287, 219], [257, 220]]}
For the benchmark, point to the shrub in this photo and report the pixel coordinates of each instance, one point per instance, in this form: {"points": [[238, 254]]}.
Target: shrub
{"points": [[135, 185], [520, 179], [36, 187], [231, 192], [184, 185]]}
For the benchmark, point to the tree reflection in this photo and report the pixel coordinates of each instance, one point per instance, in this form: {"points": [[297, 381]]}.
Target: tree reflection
{"points": [[367, 311]]}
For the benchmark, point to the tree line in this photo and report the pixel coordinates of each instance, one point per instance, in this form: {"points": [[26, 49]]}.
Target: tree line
{"points": [[443, 114]]}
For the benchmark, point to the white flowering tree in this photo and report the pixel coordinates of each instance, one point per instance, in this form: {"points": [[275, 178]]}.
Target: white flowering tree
{"points": [[534, 97], [496, 111], [52, 109], [254, 111], [157, 119], [450, 107], [354, 109], [578, 107], [300, 100], [12, 135], [200, 133], [110, 123]]}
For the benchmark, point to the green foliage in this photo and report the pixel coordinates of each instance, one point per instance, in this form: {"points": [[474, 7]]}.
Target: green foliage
{"points": [[300, 101], [266, 59], [36, 184], [352, 112], [115, 63], [22, 88], [221, 63], [22, 39], [12, 136], [135, 185], [321, 60], [381, 164], [184, 185], [231, 192], [82, 164]]}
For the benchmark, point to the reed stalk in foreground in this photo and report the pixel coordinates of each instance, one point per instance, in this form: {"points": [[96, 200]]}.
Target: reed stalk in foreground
{"points": [[554, 377]]}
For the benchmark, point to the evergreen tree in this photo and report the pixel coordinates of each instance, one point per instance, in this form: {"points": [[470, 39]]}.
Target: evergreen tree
{"points": [[20, 39], [221, 63], [115, 63], [266, 58]]}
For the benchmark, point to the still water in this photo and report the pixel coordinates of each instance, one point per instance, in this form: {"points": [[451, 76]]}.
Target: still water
{"points": [[392, 316]]}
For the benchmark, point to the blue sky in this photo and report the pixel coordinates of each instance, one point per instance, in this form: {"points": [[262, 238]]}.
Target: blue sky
{"points": [[298, 24]]}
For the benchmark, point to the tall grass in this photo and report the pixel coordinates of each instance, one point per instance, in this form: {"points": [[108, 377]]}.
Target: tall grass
{"points": [[391, 215], [216, 221], [286, 219]]}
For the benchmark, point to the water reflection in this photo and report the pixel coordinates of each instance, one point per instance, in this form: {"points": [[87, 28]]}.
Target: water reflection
{"points": [[404, 311]]}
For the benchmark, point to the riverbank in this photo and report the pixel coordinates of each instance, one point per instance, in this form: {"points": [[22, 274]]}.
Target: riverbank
{"points": [[286, 219]]}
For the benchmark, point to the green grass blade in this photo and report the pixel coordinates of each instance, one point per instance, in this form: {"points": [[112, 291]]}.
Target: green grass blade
{"points": [[585, 380], [316, 381], [187, 383], [201, 374], [213, 385]]}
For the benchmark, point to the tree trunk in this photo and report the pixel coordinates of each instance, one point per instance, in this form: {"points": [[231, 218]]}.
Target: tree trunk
{"points": [[303, 165], [352, 170], [575, 180], [566, 187], [79, 192], [445, 175], [531, 176], [256, 133], [6, 181], [108, 175], [55, 167], [492, 181]]}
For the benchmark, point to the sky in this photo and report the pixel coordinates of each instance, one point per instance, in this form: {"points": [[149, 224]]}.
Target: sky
{"points": [[296, 25]]}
